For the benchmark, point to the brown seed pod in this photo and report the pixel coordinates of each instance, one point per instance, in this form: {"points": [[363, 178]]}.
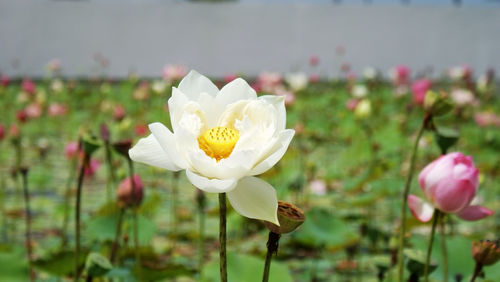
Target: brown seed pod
{"points": [[289, 216]]}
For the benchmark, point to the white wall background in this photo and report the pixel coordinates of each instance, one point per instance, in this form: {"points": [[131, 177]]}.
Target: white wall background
{"points": [[217, 39]]}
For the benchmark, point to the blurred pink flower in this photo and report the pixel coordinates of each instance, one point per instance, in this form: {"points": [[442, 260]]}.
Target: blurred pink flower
{"points": [[314, 60], [28, 86], [71, 150], [124, 192], [4, 80], [318, 187], [352, 104], [419, 88], [288, 95], [142, 91], [2, 132], [462, 97], [486, 119], [92, 168], [230, 77], [141, 130], [269, 81], [56, 109], [119, 113], [400, 74], [173, 73], [314, 78], [33, 110], [22, 116], [14, 131], [450, 183]]}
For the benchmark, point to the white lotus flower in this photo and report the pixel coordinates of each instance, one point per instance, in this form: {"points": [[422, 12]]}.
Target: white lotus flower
{"points": [[297, 80], [221, 138]]}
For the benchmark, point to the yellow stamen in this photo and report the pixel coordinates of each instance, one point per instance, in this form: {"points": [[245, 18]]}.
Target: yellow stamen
{"points": [[218, 142]]}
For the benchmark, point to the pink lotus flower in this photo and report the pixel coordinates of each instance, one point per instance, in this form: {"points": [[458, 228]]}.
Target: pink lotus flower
{"points": [[28, 86], [174, 72], [22, 116], [269, 81], [71, 150], [313, 78], [56, 109], [419, 88], [141, 129], [485, 119], [33, 110], [14, 131], [450, 184], [400, 74], [230, 77], [124, 192]]}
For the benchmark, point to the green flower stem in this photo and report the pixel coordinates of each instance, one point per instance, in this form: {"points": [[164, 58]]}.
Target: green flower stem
{"points": [[272, 248], [406, 192], [67, 195], [222, 237], [114, 247], [175, 186], [136, 221], [443, 247], [435, 220], [110, 179], [86, 159], [200, 197], [29, 249]]}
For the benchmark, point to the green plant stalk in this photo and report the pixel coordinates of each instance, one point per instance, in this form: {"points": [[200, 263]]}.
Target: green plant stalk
{"points": [[477, 270], [201, 230], [175, 186], [5, 223], [85, 162], [405, 198], [443, 247], [29, 249], [110, 178], [435, 219], [222, 237], [136, 222], [114, 247], [67, 195], [272, 248]]}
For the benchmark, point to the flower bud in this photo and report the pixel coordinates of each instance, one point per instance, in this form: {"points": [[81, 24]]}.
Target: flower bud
{"points": [[289, 216], [104, 130], [71, 149], [436, 104], [486, 252], [124, 192], [2, 132]]}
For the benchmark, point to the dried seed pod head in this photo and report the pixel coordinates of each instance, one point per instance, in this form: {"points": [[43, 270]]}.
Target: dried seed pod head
{"points": [[123, 146], [289, 216], [486, 252]]}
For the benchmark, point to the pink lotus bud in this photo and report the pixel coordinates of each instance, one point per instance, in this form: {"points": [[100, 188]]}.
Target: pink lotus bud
{"points": [[22, 116], [124, 192], [92, 168], [419, 88], [119, 113], [486, 119], [313, 78], [449, 183], [28, 86], [2, 132], [71, 149], [314, 60], [4, 80]]}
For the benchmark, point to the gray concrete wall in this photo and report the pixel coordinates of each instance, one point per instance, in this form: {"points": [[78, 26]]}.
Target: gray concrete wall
{"points": [[236, 37]]}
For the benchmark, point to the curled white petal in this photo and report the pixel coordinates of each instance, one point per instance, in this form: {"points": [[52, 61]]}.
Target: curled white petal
{"points": [[234, 91], [148, 151], [275, 153], [255, 198], [211, 185], [167, 142]]}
